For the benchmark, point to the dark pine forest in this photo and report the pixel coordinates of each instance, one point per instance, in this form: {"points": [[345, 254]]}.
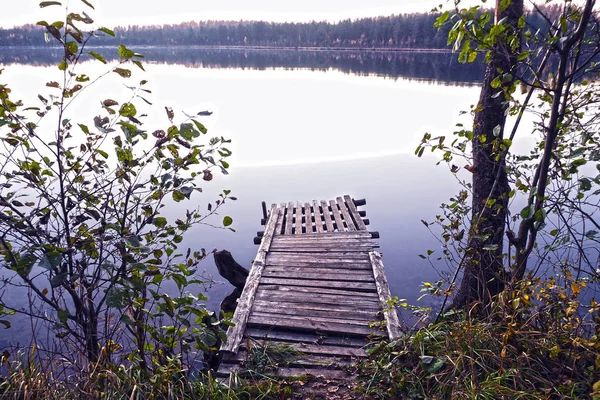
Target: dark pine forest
{"points": [[407, 31]]}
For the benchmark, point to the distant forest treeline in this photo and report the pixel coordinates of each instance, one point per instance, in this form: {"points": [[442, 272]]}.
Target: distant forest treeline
{"points": [[409, 31]]}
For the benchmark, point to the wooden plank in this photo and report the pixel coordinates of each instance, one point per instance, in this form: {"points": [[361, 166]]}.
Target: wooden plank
{"points": [[242, 311], [359, 266], [317, 290], [308, 324], [279, 226], [317, 275], [225, 368], [312, 348], [298, 218], [285, 309], [327, 216], [301, 360], [317, 244], [330, 374], [354, 214], [370, 311], [331, 235], [318, 217], [308, 219], [289, 218], [324, 249], [305, 337], [337, 216], [325, 270], [346, 214], [339, 257], [366, 286], [321, 239], [319, 298], [383, 289]]}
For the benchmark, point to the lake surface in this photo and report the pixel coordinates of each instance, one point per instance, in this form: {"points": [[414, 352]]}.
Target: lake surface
{"points": [[303, 132]]}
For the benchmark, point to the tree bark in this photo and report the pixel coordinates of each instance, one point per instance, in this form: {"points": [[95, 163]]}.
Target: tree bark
{"points": [[483, 274]]}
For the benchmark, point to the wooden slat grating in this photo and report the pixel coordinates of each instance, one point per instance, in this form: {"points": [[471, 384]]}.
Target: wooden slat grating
{"points": [[315, 285]]}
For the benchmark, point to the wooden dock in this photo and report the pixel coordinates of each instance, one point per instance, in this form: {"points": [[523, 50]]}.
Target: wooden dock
{"points": [[317, 286]]}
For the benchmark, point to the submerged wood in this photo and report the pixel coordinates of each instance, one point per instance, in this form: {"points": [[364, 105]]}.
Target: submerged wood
{"points": [[229, 269]]}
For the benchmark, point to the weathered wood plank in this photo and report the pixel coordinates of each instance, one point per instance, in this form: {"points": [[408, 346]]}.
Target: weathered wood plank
{"points": [[354, 214], [289, 218], [366, 286], [337, 216], [317, 275], [331, 235], [318, 290], [339, 257], [321, 239], [372, 313], [327, 216], [288, 309], [318, 217], [324, 249], [301, 360], [257, 315], [308, 324], [240, 317], [305, 337], [346, 214], [355, 266], [298, 229], [331, 374], [307, 221], [312, 348], [281, 215], [383, 289], [325, 270], [319, 298]]}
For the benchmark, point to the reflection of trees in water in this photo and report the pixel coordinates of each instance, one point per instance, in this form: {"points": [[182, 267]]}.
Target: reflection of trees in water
{"points": [[441, 67]]}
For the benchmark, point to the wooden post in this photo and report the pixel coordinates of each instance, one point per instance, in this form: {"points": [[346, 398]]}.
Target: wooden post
{"points": [[264, 209]]}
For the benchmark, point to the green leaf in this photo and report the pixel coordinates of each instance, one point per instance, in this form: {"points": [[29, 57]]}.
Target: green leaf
{"points": [[51, 260], [435, 365], [58, 279], [63, 65], [527, 212], [128, 110], [496, 82], [97, 57], [178, 196], [133, 241], [124, 73], [227, 221], [102, 153], [125, 53], [72, 47], [107, 31], [139, 65], [159, 222], [88, 4], [63, 316], [199, 126], [50, 3]]}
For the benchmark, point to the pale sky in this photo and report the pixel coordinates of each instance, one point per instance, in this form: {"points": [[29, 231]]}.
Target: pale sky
{"points": [[142, 12]]}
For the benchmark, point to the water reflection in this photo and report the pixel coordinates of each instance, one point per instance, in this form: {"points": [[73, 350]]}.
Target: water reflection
{"points": [[439, 67]]}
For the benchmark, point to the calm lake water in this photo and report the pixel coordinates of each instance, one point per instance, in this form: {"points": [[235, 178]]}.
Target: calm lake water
{"points": [[303, 132]]}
